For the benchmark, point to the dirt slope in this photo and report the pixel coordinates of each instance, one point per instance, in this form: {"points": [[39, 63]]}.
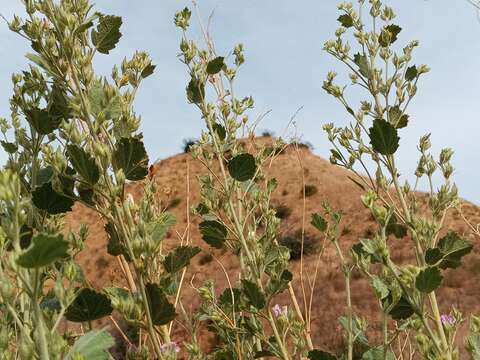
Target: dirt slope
{"points": [[461, 287]]}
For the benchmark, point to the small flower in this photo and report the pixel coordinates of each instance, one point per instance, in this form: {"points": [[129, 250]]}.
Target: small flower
{"points": [[280, 310], [447, 320], [170, 347]]}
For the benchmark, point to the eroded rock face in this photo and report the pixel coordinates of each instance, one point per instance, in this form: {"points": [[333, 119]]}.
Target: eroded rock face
{"points": [[461, 287]]}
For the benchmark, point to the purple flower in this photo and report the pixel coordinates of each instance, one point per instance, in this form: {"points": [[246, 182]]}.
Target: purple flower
{"points": [[280, 310], [170, 347], [447, 320]]}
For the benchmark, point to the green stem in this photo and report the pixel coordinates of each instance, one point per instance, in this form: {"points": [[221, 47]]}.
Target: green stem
{"points": [[41, 334]]}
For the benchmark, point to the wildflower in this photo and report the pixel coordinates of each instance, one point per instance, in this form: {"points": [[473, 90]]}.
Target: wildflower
{"points": [[447, 320], [170, 347], [280, 310]]}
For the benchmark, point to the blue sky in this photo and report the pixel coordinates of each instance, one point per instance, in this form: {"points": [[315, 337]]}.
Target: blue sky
{"points": [[285, 68]]}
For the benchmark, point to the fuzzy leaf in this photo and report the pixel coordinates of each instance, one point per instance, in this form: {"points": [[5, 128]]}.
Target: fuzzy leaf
{"points": [[83, 164], [88, 305], [195, 91], [362, 63], [213, 233], [401, 310], [319, 222], [411, 73], [111, 108], [389, 35], [159, 228], [46, 198], [9, 147], [428, 280], [130, 156], [451, 248], [161, 310], [107, 34], [44, 250], [215, 66], [346, 20], [93, 345], [383, 137], [179, 258], [254, 294], [242, 167], [41, 121], [397, 118], [147, 71]]}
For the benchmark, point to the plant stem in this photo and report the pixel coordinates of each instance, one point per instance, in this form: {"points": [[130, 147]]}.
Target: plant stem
{"points": [[42, 339]]}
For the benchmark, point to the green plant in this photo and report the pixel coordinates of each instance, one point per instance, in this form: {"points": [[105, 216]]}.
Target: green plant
{"points": [[76, 139], [406, 291], [282, 211], [309, 190]]}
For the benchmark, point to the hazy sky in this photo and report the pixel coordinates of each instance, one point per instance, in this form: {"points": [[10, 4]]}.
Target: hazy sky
{"points": [[285, 68]]}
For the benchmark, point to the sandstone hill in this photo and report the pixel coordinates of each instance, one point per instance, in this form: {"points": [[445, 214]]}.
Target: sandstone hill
{"points": [[461, 287]]}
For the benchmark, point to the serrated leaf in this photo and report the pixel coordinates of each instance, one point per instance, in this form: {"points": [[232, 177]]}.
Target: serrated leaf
{"points": [[220, 131], [83, 164], [453, 247], [362, 63], [381, 289], [147, 71], [428, 280], [215, 66], [93, 345], [161, 310], [46, 198], [411, 73], [158, 229], [383, 137], [319, 222], [346, 20], [41, 121], [179, 258], [9, 147], [88, 305], [254, 294], [195, 91], [397, 118], [130, 156], [389, 35], [277, 285], [44, 250], [320, 355], [401, 310], [213, 233], [110, 107], [242, 167], [107, 34], [115, 246]]}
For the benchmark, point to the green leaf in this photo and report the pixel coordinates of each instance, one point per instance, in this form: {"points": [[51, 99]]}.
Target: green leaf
{"points": [[277, 285], [161, 310], [147, 71], [220, 131], [397, 118], [44, 250], [242, 167], [319, 222], [44, 175], [411, 73], [358, 335], [254, 294], [83, 164], [130, 156], [107, 34], [401, 310], [93, 345], [195, 91], [179, 258], [399, 230], [450, 250], [362, 63], [377, 353], [346, 20], [428, 280], [159, 228], [46, 198], [383, 137], [9, 147], [320, 355], [381, 289], [213, 233], [115, 246], [229, 297], [88, 305], [389, 35], [110, 107], [41, 121], [215, 66]]}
